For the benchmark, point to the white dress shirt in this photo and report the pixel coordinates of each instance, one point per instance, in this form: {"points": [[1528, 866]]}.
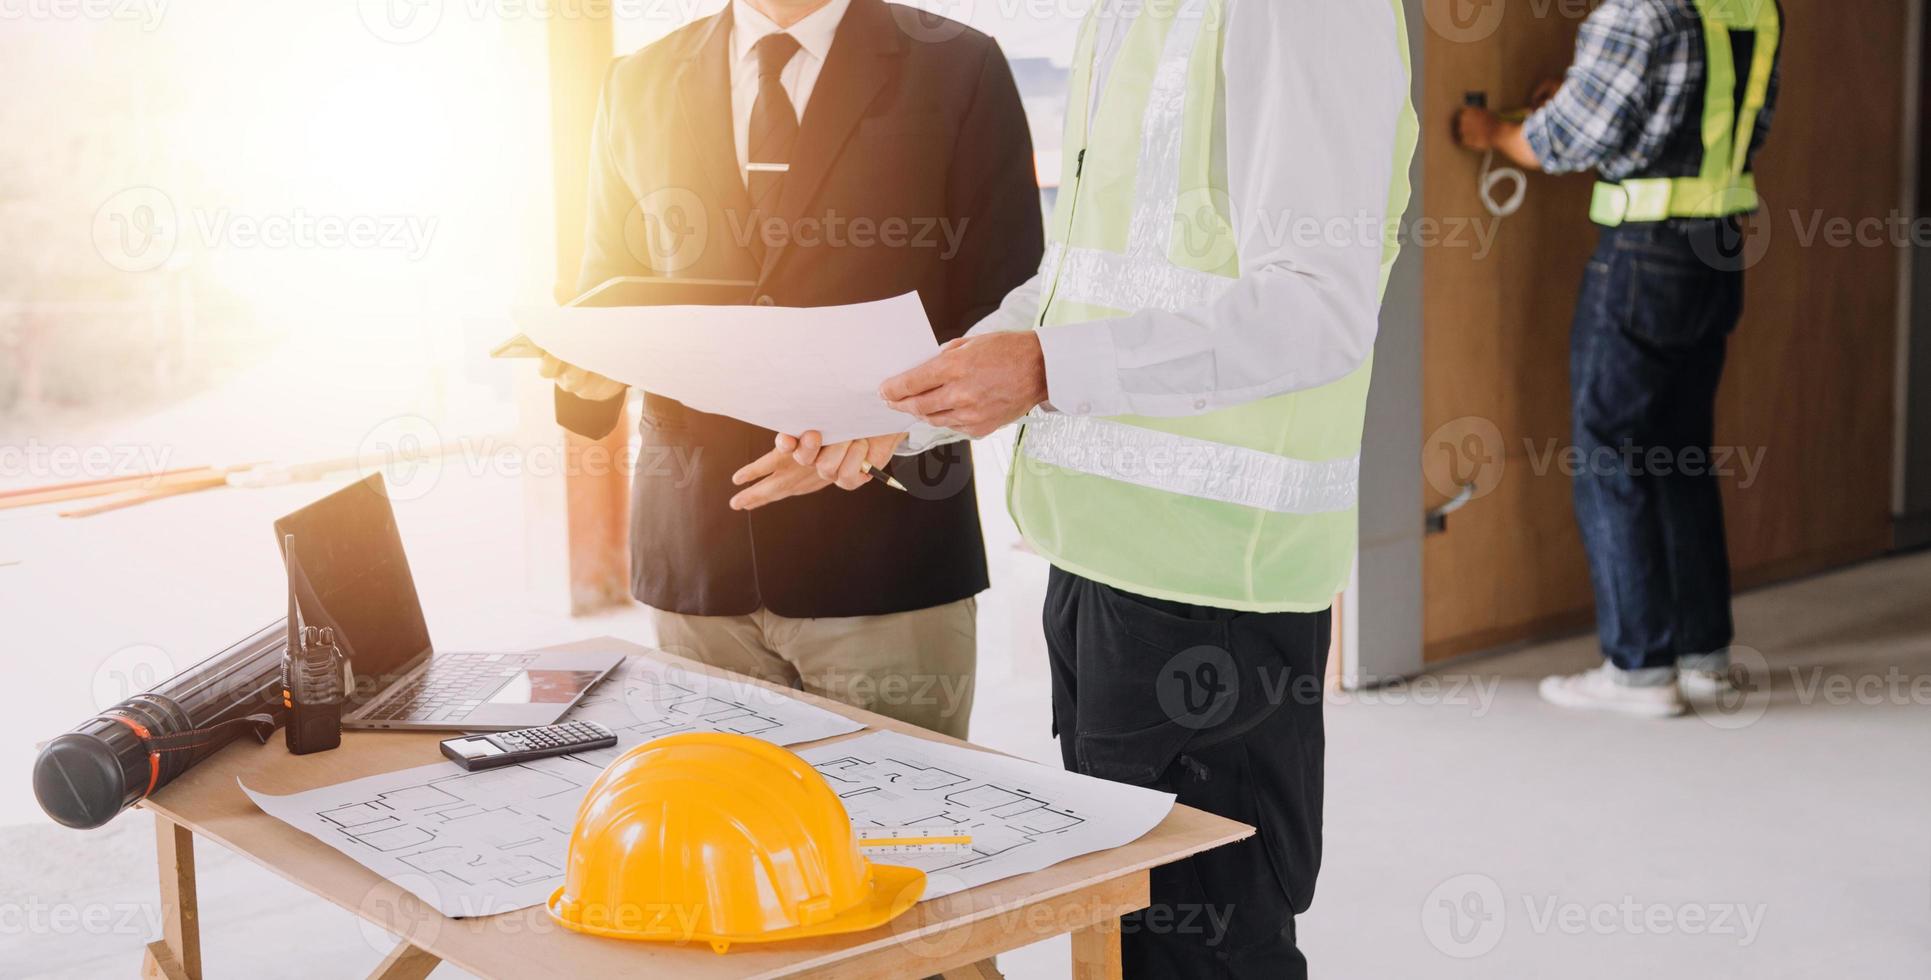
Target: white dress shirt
{"points": [[814, 34], [1313, 90]]}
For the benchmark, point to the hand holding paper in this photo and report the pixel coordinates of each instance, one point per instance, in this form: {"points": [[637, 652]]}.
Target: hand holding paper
{"points": [[975, 385], [978, 384], [575, 380]]}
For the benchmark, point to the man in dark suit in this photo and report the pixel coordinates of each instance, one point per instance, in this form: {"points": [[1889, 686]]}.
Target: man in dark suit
{"points": [[826, 152]]}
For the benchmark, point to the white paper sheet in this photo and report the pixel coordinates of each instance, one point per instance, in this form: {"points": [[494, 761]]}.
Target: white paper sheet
{"points": [[649, 699], [1022, 816], [780, 368], [466, 843], [492, 841]]}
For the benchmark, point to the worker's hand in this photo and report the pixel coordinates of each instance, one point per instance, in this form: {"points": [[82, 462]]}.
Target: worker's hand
{"points": [[843, 462], [1544, 90], [1475, 128], [775, 476], [587, 385], [975, 385]]}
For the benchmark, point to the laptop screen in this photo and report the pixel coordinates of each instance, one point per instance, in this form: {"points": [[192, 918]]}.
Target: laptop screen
{"points": [[351, 553]]}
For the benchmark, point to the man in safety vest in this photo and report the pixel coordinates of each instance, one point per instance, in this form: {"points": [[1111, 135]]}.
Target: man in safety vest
{"points": [[1190, 369], [1668, 100]]}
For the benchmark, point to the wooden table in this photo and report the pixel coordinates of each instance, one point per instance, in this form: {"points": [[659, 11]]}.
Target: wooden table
{"points": [[952, 936]]}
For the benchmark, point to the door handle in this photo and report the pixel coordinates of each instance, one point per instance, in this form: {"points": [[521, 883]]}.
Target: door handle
{"points": [[1438, 518]]}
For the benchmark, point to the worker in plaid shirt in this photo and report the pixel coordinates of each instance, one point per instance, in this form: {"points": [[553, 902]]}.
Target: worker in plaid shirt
{"points": [[1641, 105]]}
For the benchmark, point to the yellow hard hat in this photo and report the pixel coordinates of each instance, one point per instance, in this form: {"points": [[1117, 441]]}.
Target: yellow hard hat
{"points": [[724, 839]]}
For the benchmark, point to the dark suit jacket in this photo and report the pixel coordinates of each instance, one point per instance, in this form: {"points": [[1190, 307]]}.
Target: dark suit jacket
{"points": [[913, 130]]}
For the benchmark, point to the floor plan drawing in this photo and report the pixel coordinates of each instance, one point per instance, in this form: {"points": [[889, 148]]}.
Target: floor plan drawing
{"points": [[650, 700], [480, 843], [496, 840], [1021, 816], [998, 818], [469, 843]]}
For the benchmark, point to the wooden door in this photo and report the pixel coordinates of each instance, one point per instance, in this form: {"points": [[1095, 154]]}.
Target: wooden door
{"points": [[1809, 388]]}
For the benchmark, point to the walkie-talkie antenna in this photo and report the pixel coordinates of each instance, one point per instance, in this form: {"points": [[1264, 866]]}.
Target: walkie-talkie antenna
{"points": [[294, 613]]}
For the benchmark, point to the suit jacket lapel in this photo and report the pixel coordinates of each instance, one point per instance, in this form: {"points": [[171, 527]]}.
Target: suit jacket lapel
{"points": [[704, 95], [856, 69]]}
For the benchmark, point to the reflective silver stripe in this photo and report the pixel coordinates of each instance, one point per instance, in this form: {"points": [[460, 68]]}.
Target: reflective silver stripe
{"points": [[1156, 188], [1145, 278], [1094, 277], [1192, 467]]}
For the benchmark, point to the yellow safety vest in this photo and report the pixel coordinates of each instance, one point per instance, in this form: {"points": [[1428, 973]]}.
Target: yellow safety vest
{"points": [[1251, 507], [1724, 187]]}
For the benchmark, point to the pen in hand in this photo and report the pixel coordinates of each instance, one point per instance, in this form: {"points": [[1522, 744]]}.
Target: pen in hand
{"points": [[882, 477]]}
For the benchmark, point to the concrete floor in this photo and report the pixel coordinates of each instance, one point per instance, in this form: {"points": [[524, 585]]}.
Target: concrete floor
{"points": [[1472, 830], [1521, 840]]}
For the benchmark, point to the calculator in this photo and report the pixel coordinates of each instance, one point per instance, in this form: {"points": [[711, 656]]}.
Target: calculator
{"points": [[508, 748]]}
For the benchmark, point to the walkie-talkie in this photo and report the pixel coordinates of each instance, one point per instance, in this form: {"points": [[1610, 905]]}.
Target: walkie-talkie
{"points": [[312, 685]]}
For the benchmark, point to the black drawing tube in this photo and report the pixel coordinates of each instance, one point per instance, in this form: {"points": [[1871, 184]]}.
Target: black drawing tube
{"points": [[116, 758]]}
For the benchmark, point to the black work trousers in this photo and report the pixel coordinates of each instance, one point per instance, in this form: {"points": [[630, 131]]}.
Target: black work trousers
{"points": [[1224, 709]]}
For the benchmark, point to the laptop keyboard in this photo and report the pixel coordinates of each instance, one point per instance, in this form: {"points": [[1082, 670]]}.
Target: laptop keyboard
{"points": [[450, 688]]}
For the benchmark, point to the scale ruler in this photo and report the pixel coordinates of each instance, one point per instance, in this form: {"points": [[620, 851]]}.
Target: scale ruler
{"points": [[912, 840]]}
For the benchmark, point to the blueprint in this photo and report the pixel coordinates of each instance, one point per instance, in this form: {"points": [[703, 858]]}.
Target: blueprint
{"points": [[495, 840], [491, 841], [650, 699], [1021, 816], [466, 843]]}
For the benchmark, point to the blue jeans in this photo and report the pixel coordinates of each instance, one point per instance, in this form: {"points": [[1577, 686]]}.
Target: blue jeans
{"points": [[1646, 353]]}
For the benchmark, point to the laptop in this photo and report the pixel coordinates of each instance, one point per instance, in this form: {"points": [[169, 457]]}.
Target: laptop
{"points": [[358, 582]]}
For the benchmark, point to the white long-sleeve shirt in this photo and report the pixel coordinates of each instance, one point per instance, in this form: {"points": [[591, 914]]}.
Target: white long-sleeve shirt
{"points": [[1313, 90], [815, 33]]}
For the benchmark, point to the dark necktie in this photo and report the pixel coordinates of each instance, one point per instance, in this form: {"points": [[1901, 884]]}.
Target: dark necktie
{"points": [[774, 128]]}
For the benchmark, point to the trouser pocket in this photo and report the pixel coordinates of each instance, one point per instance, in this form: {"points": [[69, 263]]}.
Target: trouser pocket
{"points": [[1149, 682]]}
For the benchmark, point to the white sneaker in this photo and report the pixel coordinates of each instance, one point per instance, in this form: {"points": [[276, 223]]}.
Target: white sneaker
{"points": [[1707, 685], [1598, 690]]}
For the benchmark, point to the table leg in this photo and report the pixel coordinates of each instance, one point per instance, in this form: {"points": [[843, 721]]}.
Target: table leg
{"points": [[177, 955], [406, 962], [1096, 951]]}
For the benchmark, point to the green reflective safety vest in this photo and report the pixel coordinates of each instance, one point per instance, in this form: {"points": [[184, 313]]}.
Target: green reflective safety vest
{"points": [[1251, 507], [1724, 187]]}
